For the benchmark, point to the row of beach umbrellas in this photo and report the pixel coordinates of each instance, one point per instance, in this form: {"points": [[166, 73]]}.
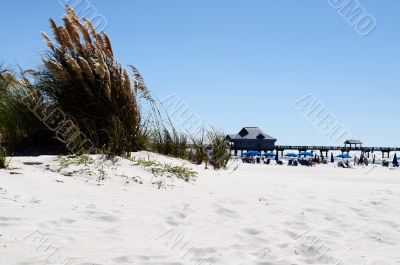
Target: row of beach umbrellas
{"points": [[292, 155], [307, 154], [270, 154]]}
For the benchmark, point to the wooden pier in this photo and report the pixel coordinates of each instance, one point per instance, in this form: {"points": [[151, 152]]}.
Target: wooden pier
{"points": [[323, 150], [254, 139]]}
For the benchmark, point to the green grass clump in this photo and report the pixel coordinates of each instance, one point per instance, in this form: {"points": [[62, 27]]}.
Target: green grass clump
{"points": [[148, 163], [198, 152], [88, 165], [76, 160], [212, 148], [220, 153], [159, 169], [181, 172], [168, 143]]}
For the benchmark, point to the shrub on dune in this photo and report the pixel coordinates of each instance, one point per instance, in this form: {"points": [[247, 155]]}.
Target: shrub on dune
{"points": [[198, 152], [81, 77], [220, 150]]}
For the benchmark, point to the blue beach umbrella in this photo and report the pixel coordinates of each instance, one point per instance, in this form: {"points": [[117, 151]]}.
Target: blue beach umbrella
{"points": [[306, 154], [251, 153], [291, 155], [269, 154], [344, 156]]}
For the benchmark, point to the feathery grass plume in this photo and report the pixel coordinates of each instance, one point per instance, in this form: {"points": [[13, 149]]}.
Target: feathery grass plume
{"points": [[56, 69], [127, 82], [47, 41], [67, 39], [56, 32], [72, 14], [87, 70], [140, 86], [73, 32], [82, 78], [75, 68], [108, 45], [90, 28]]}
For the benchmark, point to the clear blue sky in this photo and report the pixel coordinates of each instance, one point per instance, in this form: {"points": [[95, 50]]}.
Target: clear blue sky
{"points": [[244, 63]]}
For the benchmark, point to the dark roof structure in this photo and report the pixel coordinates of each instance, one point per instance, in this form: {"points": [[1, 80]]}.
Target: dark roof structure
{"points": [[250, 133], [251, 138], [352, 142]]}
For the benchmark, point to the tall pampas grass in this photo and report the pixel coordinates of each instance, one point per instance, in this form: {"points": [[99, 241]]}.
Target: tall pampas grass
{"points": [[82, 77]]}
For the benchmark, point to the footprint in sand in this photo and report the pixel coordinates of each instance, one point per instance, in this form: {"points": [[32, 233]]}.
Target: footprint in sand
{"points": [[226, 211], [143, 259], [67, 221], [175, 218], [178, 214], [251, 231], [8, 221], [100, 216]]}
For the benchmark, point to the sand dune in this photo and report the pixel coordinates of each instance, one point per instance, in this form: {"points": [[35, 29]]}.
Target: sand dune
{"points": [[258, 214]]}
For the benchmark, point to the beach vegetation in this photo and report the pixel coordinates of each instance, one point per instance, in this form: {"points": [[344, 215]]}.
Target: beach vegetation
{"points": [[81, 77], [77, 160], [83, 93], [198, 152], [164, 169], [170, 143], [21, 131], [220, 151]]}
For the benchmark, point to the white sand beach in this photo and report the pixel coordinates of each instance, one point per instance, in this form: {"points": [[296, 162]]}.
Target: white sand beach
{"points": [[258, 214]]}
